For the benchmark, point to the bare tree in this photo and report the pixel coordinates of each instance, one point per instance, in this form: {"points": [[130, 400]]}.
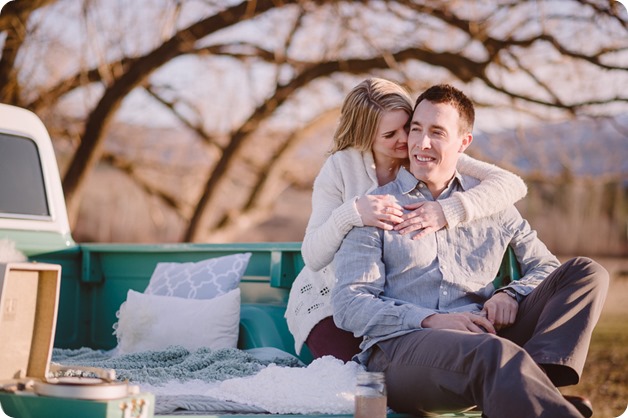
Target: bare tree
{"points": [[521, 58]]}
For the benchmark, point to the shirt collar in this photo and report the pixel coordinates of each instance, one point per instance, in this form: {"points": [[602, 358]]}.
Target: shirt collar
{"points": [[407, 181]]}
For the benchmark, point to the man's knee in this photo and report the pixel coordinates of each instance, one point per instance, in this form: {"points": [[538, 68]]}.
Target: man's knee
{"points": [[494, 352], [587, 271]]}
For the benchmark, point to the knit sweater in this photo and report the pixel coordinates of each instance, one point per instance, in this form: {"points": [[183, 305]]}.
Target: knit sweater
{"points": [[347, 175]]}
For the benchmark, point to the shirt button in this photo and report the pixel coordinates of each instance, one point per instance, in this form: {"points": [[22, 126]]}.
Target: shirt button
{"points": [[444, 292], [421, 185]]}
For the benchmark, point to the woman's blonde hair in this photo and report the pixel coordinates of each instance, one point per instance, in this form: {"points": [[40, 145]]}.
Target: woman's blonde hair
{"points": [[362, 110]]}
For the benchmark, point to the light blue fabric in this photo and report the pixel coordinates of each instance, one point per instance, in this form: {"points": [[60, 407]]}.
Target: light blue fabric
{"points": [[158, 367], [388, 283]]}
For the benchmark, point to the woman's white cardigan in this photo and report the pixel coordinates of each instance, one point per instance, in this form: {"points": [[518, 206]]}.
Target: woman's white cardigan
{"points": [[345, 176]]}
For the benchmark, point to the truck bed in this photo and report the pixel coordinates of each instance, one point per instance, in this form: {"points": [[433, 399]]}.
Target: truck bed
{"points": [[96, 278]]}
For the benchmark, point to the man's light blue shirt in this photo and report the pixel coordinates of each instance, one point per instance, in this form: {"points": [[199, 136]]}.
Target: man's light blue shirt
{"points": [[387, 283]]}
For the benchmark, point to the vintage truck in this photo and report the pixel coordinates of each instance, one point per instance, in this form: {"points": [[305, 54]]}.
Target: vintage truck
{"points": [[96, 277]]}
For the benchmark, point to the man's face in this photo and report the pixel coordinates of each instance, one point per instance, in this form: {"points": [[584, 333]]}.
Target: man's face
{"points": [[435, 142]]}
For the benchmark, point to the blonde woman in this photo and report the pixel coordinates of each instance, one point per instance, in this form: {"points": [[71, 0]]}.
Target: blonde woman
{"points": [[370, 145]]}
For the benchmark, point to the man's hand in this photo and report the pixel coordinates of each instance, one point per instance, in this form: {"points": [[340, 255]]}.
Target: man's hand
{"points": [[463, 321], [501, 309]]}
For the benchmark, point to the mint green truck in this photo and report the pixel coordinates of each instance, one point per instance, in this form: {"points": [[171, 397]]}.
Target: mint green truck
{"points": [[96, 277]]}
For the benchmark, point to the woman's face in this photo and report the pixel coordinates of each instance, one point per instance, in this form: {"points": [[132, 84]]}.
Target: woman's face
{"points": [[391, 138]]}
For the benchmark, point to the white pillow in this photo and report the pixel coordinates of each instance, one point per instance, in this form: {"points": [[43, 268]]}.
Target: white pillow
{"points": [[152, 322], [201, 280]]}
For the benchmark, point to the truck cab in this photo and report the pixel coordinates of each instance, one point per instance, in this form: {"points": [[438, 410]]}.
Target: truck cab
{"points": [[32, 207]]}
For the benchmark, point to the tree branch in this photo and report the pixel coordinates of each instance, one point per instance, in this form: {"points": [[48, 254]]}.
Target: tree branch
{"points": [[129, 167], [90, 149], [195, 127], [13, 21]]}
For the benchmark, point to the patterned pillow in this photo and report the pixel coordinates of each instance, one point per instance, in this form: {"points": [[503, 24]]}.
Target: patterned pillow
{"points": [[201, 280]]}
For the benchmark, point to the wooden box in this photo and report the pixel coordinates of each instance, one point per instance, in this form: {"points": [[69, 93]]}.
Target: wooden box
{"points": [[29, 300]]}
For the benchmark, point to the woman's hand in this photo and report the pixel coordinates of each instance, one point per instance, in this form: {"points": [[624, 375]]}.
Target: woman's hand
{"points": [[381, 211], [427, 217]]}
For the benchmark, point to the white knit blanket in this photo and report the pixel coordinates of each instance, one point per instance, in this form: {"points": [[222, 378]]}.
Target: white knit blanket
{"points": [[326, 386]]}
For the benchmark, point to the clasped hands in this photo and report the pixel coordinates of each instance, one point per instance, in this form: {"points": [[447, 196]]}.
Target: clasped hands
{"points": [[499, 312], [384, 212]]}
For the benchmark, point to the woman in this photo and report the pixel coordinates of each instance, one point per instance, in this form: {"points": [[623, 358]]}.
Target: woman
{"points": [[370, 145]]}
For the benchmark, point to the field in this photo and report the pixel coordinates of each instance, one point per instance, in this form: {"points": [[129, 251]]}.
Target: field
{"points": [[605, 377]]}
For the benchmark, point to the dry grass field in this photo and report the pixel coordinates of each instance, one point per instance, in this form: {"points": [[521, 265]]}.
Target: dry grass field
{"points": [[605, 378]]}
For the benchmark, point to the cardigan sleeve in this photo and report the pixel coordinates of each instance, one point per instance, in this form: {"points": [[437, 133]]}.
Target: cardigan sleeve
{"points": [[498, 190], [331, 219]]}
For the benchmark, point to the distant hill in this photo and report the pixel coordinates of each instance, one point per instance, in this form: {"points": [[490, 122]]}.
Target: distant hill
{"points": [[176, 162], [585, 147], [590, 147]]}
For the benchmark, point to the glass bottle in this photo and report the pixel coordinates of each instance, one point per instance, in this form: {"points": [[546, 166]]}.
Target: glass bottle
{"points": [[370, 395]]}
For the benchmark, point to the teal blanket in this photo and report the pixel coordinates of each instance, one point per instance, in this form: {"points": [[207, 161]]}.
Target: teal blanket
{"points": [[174, 363], [156, 368]]}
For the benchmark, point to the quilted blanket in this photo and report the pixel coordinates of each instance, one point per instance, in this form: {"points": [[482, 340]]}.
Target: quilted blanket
{"points": [[178, 366], [226, 381]]}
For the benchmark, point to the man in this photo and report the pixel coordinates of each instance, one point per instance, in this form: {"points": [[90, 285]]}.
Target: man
{"points": [[427, 309]]}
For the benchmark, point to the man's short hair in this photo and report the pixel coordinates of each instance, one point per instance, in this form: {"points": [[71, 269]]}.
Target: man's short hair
{"points": [[445, 93]]}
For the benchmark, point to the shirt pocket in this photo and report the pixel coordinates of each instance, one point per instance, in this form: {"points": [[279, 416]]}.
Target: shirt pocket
{"points": [[479, 248]]}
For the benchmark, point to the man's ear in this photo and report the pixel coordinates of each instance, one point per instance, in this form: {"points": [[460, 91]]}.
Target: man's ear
{"points": [[466, 141]]}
